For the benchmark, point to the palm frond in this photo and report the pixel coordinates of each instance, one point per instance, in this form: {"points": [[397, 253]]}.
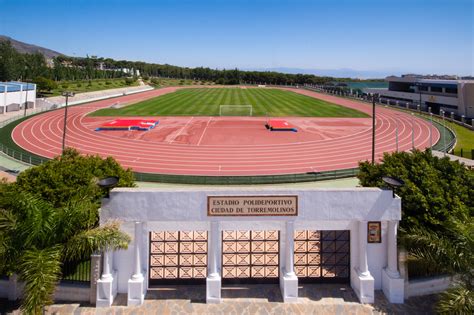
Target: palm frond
{"points": [[40, 269], [86, 242], [37, 219], [76, 215], [457, 300]]}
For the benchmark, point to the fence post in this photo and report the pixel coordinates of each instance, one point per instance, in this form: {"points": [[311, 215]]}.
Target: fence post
{"points": [[461, 153], [94, 276], [472, 153], [14, 288]]}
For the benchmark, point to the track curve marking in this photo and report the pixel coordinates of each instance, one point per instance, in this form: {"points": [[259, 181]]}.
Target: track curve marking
{"points": [[218, 146]]}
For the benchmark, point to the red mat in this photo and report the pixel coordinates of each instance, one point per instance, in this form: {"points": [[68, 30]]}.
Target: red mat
{"points": [[280, 124]]}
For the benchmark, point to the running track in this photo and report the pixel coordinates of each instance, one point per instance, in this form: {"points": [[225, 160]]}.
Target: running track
{"points": [[208, 154]]}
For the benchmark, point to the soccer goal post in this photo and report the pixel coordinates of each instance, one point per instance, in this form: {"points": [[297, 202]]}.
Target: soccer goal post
{"points": [[235, 110]]}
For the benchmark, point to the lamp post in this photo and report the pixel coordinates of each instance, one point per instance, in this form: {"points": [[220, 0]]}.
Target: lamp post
{"points": [[444, 133], [431, 127], [373, 127], [67, 95]]}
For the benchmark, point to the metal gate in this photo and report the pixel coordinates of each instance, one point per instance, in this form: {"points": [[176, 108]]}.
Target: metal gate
{"points": [[322, 256], [250, 256], [178, 257]]}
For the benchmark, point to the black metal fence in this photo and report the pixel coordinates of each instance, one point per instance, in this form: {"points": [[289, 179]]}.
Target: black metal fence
{"points": [[76, 271], [468, 154]]}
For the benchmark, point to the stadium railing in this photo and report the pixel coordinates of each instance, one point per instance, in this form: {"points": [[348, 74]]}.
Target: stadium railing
{"points": [[447, 140]]}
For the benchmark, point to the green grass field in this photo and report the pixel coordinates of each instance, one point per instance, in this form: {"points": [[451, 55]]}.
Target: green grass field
{"points": [[206, 102]]}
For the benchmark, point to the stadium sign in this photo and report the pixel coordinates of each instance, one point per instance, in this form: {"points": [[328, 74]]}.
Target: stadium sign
{"points": [[252, 205]]}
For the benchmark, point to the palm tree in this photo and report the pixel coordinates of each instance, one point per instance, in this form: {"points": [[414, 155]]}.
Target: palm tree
{"points": [[452, 251], [36, 239]]}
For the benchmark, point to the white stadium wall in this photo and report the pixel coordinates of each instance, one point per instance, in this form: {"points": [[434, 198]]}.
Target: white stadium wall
{"points": [[145, 210]]}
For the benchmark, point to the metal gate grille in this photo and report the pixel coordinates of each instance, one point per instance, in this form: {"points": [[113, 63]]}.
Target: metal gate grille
{"points": [[178, 257], [322, 256], [250, 256]]}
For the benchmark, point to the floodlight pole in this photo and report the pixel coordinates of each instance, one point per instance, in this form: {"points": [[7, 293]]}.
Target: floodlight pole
{"points": [[373, 128], [67, 95]]}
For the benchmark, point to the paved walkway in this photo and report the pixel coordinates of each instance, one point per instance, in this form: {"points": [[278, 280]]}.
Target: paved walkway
{"points": [[261, 299], [96, 95], [467, 162]]}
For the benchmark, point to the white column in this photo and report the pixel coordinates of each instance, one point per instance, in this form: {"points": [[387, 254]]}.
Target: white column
{"points": [[136, 285], [107, 284], [107, 273], [393, 285], [288, 278], [138, 241], [363, 285], [392, 261], [213, 250], [290, 249], [213, 281], [363, 266]]}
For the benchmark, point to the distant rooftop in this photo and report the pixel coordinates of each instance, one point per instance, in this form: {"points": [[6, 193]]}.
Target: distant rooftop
{"points": [[429, 79]]}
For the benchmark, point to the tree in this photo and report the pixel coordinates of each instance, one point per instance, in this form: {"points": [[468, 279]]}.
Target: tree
{"points": [[437, 217], [44, 84], [453, 252], [435, 189], [36, 239], [72, 175]]}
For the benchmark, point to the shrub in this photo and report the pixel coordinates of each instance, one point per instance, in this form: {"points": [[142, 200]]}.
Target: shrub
{"points": [[72, 175], [435, 189], [108, 83], [79, 85], [45, 84]]}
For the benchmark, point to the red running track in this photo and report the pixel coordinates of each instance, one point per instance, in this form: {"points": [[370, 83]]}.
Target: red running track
{"points": [[224, 145]]}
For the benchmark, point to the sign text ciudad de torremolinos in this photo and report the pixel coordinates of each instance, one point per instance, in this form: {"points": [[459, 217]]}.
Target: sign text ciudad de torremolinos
{"points": [[252, 205]]}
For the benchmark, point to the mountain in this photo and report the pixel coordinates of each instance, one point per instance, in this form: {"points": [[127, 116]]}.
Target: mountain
{"points": [[25, 48], [337, 73]]}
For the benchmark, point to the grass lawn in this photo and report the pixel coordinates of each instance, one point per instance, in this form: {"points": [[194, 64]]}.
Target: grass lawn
{"points": [[206, 102], [89, 86], [464, 137], [465, 140]]}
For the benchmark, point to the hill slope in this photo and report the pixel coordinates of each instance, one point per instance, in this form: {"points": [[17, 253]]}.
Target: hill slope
{"points": [[25, 48]]}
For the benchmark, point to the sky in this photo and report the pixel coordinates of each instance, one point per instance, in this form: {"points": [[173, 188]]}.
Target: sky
{"points": [[372, 37]]}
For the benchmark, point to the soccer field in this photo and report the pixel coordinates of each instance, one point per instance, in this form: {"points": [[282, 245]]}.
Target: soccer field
{"points": [[207, 101]]}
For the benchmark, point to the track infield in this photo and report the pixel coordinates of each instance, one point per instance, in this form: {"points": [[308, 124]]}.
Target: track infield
{"points": [[206, 102], [227, 146]]}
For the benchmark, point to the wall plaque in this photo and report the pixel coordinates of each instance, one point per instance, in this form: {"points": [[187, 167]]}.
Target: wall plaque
{"points": [[374, 232], [252, 205]]}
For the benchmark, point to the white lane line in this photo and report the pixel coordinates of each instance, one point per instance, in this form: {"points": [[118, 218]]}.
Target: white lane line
{"points": [[202, 136], [182, 129]]}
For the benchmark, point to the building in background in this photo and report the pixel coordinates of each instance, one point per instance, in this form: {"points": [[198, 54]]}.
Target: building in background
{"points": [[450, 95], [15, 95]]}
